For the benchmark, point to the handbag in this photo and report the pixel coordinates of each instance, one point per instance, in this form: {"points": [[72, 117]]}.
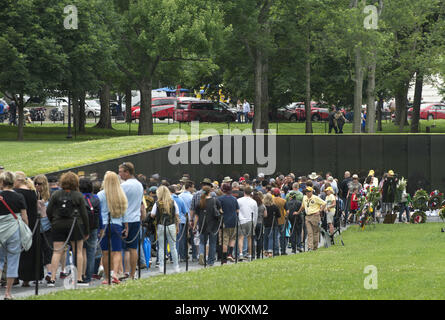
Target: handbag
{"points": [[25, 231]]}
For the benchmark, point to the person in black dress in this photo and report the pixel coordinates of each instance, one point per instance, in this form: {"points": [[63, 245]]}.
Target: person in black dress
{"points": [[27, 265]]}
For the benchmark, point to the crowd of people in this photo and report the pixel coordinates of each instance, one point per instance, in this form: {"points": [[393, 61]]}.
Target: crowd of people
{"points": [[99, 224]]}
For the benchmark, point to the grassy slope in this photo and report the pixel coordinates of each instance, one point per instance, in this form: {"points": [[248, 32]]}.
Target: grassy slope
{"points": [[409, 260], [34, 157]]}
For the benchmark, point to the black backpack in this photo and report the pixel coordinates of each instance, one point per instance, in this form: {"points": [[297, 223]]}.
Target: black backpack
{"points": [[164, 218], [93, 208], [67, 209]]}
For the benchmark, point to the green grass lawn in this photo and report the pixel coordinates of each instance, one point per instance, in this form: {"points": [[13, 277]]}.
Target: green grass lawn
{"points": [[409, 261], [35, 157]]}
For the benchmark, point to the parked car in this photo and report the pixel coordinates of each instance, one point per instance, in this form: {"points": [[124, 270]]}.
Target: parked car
{"points": [[203, 110], [161, 108], [114, 108], [56, 102], [92, 108], [296, 112], [430, 111]]}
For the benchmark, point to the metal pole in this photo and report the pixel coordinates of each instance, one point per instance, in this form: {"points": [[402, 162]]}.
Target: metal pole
{"points": [[273, 235], [251, 240], [139, 254], [222, 241], [165, 247], [187, 229], [109, 249], [69, 136], [236, 239], [75, 262], [262, 240], [38, 254]]}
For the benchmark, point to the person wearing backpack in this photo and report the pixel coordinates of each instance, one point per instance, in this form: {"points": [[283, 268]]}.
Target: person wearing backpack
{"points": [[207, 220], [69, 220], [92, 204], [293, 204], [166, 212]]}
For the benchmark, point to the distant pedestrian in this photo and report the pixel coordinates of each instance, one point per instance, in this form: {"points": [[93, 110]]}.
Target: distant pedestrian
{"points": [[246, 110]]}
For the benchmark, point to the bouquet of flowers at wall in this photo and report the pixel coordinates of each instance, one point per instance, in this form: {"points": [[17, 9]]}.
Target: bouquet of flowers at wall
{"points": [[435, 201], [420, 205]]}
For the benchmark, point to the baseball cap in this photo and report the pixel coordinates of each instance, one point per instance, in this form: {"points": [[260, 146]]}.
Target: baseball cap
{"points": [[276, 191], [329, 189], [355, 176], [391, 173], [242, 179], [153, 189], [371, 173], [261, 175], [309, 189]]}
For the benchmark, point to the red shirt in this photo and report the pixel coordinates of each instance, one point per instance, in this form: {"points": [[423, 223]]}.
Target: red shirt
{"points": [[354, 202]]}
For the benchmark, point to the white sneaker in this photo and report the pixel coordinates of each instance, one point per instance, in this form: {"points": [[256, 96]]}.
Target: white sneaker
{"points": [[100, 272]]}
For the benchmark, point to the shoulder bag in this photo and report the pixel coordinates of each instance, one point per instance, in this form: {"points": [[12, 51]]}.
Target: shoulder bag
{"points": [[25, 231]]}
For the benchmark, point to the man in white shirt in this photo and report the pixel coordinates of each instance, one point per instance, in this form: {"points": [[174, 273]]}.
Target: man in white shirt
{"points": [[248, 209], [246, 110], [135, 213]]}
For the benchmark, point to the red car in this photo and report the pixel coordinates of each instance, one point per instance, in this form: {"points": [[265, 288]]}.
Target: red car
{"points": [[205, 111], [161, 108], [430, 111], [296, 112]]}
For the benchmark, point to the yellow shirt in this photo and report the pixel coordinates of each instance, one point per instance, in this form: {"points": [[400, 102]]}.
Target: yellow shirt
{"points": [[312, 205], [330, 199]]}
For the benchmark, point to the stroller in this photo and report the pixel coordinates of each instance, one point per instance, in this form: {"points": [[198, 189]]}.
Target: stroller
{"points": [[336, 237]]}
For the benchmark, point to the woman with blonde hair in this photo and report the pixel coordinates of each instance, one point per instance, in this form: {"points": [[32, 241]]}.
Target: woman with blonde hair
{"points": [[167, 217], [27, 267], [43, 196], [113, 204]]}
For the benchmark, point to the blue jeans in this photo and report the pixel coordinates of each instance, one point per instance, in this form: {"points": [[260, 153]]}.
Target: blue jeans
{"points": [[171, 233], [269, 244], [181, 240], [90, 245], [203, 237], [12, 254], [403, 207], [238, 115], [246, 117], [245, 246]]}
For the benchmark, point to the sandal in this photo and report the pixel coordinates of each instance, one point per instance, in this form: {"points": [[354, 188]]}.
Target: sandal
{"points": [[9, 298]]}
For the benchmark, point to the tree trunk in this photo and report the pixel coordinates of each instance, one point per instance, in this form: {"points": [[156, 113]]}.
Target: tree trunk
{"points": [[128, 104], [370, 92], [76, 111], [82, 116], [105, 118], [358, 92], [308, 98], [401, 103], [21, 121], [146, 118], [265, 96], [258, 90], [417, 102], [379, 114]]}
